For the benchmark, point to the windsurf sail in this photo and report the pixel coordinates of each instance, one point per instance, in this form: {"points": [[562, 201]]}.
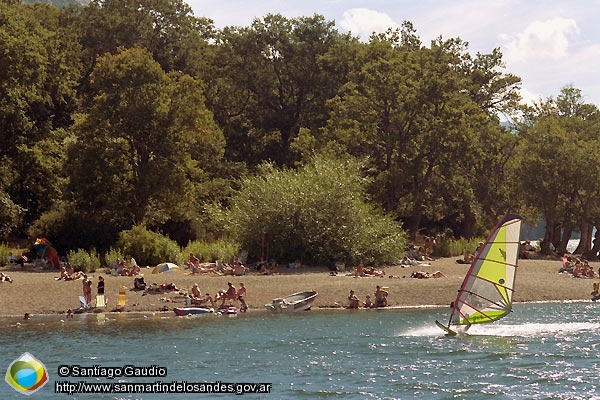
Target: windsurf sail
{"points": [[487, 290]]}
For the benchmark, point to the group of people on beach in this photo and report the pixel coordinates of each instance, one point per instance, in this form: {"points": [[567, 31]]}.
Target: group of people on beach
{"points": [[228, 295], [17, 260], [235, 267], [87, 288], [69, 274], [120, 268], [361, 271], [380, 299], [577, 268]]}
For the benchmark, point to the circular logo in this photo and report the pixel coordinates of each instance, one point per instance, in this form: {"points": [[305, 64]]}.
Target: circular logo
{"points": [[26, 374]]}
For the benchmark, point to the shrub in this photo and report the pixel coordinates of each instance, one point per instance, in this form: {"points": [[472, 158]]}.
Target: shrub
{"points": [[209, 252], [4, 250], [318, 214], [82, 260], [149, 248], [111, 256], [450, 247]]}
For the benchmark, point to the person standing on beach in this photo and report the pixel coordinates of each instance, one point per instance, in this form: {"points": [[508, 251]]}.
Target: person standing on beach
{"points": [[87, 289], [380, 297], [241, 294], [353, 300], [100, 285]]}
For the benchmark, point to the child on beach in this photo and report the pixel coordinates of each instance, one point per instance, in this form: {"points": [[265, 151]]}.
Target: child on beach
{"points": [[368, 303]]}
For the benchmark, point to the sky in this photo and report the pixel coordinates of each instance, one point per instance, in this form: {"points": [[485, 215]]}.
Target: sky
{"points": [[549, 44]]}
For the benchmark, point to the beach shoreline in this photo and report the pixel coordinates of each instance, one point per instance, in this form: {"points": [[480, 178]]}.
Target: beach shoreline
{"points": [[38, 293]]}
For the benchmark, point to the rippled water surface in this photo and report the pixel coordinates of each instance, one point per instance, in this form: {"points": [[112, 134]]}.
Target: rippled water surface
{"points": [[540, 351]]}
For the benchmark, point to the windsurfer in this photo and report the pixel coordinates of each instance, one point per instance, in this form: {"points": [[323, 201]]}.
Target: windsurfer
{"points": [[486, 292]]}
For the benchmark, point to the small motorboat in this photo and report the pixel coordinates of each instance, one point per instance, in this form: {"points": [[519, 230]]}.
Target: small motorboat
{"points": [[183, 311], [295, 302], [228, 310]]}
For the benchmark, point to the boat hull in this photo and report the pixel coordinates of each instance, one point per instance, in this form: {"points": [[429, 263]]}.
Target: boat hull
{"points": [[230, 310], [183, 311], [296, 302]]}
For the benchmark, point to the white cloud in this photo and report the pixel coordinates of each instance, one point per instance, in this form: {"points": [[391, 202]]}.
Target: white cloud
{"points": [[541, 40], [530, 98], [363, 22]]}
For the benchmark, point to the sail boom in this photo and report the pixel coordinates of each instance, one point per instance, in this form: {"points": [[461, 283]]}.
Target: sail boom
{"points": [[500, 307], [466, 321]]}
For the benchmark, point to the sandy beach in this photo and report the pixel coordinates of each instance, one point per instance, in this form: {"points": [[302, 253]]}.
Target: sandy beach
{"points": [[37, 292]]}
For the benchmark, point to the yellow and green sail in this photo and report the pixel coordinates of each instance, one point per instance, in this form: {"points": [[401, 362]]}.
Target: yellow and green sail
{"points": [[487, 290]]}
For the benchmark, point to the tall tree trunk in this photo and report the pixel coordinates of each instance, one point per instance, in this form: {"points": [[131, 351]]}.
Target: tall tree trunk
{"points": [[593, 253], [564, 241], [469, 224], [585, 241], [556, 235], [545, 247], [413, 225]]}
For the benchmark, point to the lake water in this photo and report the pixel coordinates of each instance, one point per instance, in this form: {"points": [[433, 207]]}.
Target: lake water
{"points": [[540, 351]]}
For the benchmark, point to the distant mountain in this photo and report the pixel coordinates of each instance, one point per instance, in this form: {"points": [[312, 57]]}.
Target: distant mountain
{"points": [[58, 3]]}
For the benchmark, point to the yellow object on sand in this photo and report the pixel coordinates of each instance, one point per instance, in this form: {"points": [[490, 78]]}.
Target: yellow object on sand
{"points": [[122, 298], [100, 302]]}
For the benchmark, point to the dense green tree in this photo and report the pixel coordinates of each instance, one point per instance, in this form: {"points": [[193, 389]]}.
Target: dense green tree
{"points": [[271, 80], [558, 142], [166, 28], [39, 68], [144, 151], [424, 120], [318, 214]]}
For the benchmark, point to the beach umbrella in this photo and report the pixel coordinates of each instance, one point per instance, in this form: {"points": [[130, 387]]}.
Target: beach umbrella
{"points": [[43, 248], [165, 268]]}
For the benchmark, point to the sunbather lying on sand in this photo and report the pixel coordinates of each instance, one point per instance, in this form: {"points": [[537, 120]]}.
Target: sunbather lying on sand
{"points": [[5, 278], [425, 275]]}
